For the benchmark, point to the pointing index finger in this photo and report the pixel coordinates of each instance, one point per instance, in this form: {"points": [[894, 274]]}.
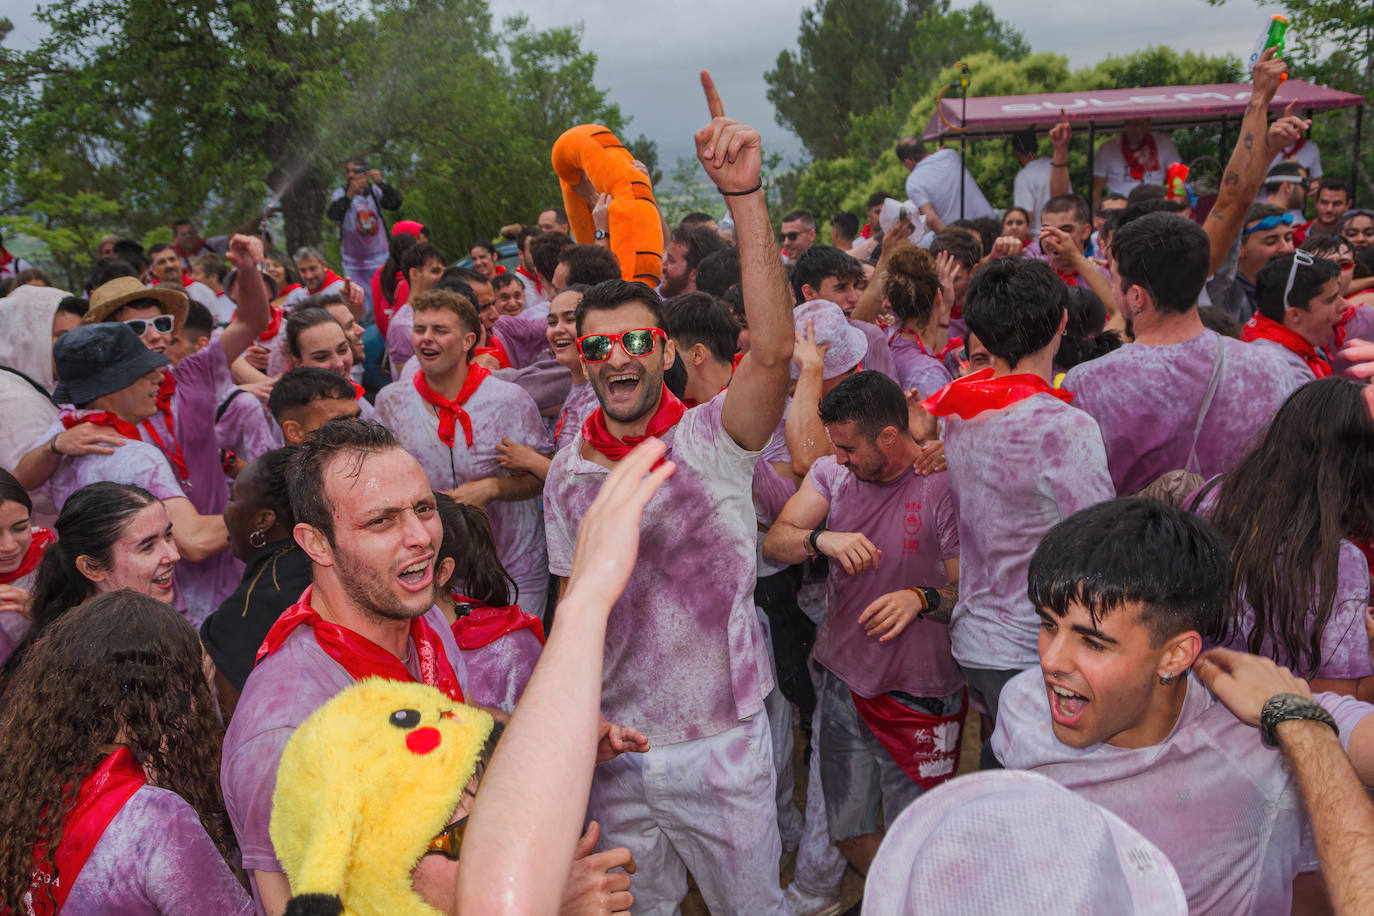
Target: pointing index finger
{"points": [[713, 102]]}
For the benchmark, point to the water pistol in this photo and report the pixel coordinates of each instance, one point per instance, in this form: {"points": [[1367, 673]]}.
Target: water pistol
{"points": [[1274, 37], [1176, 185]]}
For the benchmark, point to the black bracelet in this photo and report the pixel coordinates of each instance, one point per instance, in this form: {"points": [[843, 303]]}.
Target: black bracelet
{"points": [[811, 546], [757, 187]]}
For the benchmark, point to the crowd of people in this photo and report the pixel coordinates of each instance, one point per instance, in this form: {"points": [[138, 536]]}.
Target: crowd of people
{"points": [[513, 588]]}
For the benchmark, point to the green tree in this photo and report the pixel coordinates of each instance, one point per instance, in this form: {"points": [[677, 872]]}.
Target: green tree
{"points": [[855, 57]]}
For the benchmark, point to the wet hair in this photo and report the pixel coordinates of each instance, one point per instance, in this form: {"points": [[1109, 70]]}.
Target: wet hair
{"points": [[1131, 550], [718, 271], [911, 284], [199, 322], [1070, 203], [418, 255], [1015, 305], [1084, 335], [590, 264], [448, 300], [1165, 254], [1308, 280], [344, 439], [961, 246], [303, 385], [302, 319], [12, 491], [699, 242], [1323, 244], [400, 243], [469, 541], [611, 294], [1261, 211], [1286, 507], [545, 249], [870, 400], [1215, 319], [700, 318], [122, 669], [92, 521], [820, 262], [272, 491]]}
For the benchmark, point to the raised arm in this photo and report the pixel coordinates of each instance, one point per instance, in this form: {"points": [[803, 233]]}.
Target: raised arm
{"points": [[806, 437], [198, 537], [1249, 163], [1060, 134], [732, 155], [524, 827], [870, 303], [253, 306]]}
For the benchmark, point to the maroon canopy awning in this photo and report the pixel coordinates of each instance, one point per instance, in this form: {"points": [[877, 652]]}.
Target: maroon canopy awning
{"points": [[1167, 106]]}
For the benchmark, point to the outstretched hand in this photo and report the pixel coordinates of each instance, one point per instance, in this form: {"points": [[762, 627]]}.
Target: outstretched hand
{"points": [[1287, 130], [731, 152], [1270, 71], [1061, 134]]}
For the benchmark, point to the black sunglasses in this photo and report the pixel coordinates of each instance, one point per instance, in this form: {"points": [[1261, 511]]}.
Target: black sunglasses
{"points": [[788, 236]]}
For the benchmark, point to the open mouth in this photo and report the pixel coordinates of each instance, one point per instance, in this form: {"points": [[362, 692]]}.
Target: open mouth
{"points": [[417, 575], [622, 386], [561, 343], [1066, 707], [164, 581]]}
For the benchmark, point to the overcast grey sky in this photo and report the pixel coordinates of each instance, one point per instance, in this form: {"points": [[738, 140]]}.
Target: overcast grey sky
{"points": [[650, 60]]}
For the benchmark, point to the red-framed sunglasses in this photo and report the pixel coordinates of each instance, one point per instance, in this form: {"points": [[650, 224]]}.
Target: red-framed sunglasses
{"points": [[596, 348]]}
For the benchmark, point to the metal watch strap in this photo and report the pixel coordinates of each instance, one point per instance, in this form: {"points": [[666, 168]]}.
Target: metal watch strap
{"points": [[1285, 707]]}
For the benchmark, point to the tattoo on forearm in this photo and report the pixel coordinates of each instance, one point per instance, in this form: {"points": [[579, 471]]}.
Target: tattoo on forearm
{"points": [[949, 596], [1249, 141]]}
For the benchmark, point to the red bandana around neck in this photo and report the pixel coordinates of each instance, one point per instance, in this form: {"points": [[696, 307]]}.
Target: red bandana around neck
{"points": [[670, 411], [1069, 279], [451, 413], [494, 348], [361, 657], [1340, 330], [951, 344], [1141, 159], [102, 795], [538, 286], [1261, 328], [273, 325], [39, 541], [289, 289], [484, 625], [976, 393], [330, 278]]}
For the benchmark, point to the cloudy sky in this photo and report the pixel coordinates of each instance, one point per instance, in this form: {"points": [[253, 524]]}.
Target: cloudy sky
{"points": [[650, 61]]}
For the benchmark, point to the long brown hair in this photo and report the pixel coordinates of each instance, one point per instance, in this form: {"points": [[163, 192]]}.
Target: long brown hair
{"points": [[1286, 508], [121, 669]]}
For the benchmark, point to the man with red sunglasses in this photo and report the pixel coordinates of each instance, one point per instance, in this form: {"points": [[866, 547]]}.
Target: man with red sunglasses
{"points": [[686, 660]]}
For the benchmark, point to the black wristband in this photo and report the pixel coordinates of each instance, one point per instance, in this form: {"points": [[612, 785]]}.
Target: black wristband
{"points": [[757, 187], [1285, 707], [811, 546]]}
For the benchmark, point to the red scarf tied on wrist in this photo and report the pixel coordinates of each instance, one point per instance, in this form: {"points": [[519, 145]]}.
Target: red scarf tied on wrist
{"points": [[484, 625], [451, 413], [361, 657], [670, 411], [1261, 328], [1141, 159], [102, 795], [38, 542], [976, 393]]}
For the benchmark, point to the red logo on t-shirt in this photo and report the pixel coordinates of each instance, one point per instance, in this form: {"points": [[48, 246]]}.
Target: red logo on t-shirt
{"points": [[367, 221], [911, 524]]}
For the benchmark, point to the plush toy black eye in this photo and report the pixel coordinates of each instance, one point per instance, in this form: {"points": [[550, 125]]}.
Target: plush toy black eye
{"points": [[405, 718]]}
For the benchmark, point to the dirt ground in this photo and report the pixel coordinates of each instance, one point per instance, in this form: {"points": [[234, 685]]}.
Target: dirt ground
{"points": [[852, 889]]}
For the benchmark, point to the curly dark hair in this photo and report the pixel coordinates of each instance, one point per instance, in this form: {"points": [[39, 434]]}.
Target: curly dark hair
{"points": [[912, 284], [124, 669]]}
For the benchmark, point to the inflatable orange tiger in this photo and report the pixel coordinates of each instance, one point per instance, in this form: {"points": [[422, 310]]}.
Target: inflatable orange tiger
{"points": [[590, 160]]}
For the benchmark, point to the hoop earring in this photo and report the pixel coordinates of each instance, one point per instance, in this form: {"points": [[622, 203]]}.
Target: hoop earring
{"points": [[257, 539], [1167, 679]]}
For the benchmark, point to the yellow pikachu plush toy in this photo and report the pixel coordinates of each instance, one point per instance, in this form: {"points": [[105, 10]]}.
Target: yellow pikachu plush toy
{"points": [[363, 786]]}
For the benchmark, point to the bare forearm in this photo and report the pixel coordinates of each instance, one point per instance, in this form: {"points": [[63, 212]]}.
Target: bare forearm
{"points": [[1241, 182], [1341, 814], [253, 312], [34, 469], [202, 540], [785, 543], [949, 596], [933, 221], [1101, 286], [763, 283], [1059, 180], [519, 843], [518, 487], [807, 440], [870, 302]]}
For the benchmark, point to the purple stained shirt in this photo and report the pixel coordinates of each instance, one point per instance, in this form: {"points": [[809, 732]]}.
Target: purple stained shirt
{"points": [[576, 409], [498, 410], [399, 344], [1146, 400], [916, 368], [1220, 805], [524, 338], [498, 672], [879, 355], [1360, 327], [546, 380], [1294, 364], [280, 694], [246, 428], [156, 858], [685, 655], [1015, 473], [911, 520]]}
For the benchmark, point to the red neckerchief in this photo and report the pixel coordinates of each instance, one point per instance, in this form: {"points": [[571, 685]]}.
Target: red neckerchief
{"points": [[956, 311], [102, 795], [291, 288], [1141, 159], [1292, 151], [538, 286], [358, 391], [973, 394], [165, 392], [494, 348], [103, 418], [5, 258], [1339, 331], [484, 625], [1069, 279], [866, 231], [499, 269], [1261, 328], [41, 538], [330, 278], [670, 411], [451, 413], [951, 344], [1026, 243], [273, 324], [360, 656]]}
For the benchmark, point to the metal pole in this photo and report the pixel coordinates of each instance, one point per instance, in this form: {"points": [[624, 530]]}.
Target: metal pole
{"points": [[963, 134], [1221, 144], [1092, 146], [1355, 156]]}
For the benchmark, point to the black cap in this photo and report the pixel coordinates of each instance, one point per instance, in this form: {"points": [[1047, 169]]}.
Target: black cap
{"points": [[94, 360]]}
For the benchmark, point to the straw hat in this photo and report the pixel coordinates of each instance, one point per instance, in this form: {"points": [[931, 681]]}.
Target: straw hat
{"points": [[110, 297]]}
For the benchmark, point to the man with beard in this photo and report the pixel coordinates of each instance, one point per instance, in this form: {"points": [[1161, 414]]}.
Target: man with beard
{"points": [[685, 656], [686, 249]]}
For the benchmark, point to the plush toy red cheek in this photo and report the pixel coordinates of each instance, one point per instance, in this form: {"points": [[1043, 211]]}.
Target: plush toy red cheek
{"points": [[423, 740]]}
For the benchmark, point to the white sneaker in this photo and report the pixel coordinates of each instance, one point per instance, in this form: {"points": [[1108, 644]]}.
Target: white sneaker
{"points": [[803, 904]]}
